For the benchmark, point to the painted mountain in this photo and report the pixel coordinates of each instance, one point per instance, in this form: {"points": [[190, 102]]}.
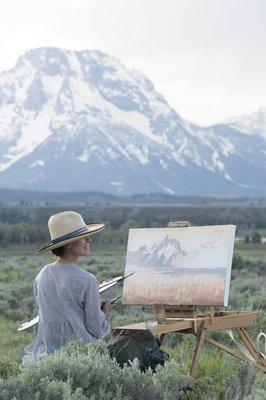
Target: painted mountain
{"points": [[168, 257], [82, 121], [161, 255]]}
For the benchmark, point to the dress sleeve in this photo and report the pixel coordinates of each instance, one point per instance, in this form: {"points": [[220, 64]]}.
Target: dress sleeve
{"points": [[97, 323]]}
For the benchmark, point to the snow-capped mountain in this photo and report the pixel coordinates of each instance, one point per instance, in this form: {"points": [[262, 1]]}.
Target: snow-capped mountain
{"points": [[254, 123], [82, 121]]}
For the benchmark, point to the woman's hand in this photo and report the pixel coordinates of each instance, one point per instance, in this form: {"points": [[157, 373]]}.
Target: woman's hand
{"points": [[106, 307]]}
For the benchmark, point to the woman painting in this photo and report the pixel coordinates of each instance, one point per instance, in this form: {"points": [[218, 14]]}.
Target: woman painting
{"points": [[67, 296]]}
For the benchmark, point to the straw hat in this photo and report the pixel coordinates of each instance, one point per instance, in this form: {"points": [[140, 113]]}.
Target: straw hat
{"points": [[67, 227]]}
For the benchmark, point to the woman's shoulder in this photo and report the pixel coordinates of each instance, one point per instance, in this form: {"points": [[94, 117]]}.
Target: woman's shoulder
{"points": [[42, 271], [72, 272]]}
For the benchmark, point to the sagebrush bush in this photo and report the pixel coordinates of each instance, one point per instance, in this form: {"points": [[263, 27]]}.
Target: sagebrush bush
{"points": [[81, 371], [258, 389], [8, 368]]}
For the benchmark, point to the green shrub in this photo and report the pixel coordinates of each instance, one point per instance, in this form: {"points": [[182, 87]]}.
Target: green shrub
{"points": [[8, 368], [258, 390], [256, 238], [80, 371]]}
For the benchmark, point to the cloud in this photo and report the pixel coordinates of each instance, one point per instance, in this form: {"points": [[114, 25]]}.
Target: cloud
{"points": [[207, 57]]}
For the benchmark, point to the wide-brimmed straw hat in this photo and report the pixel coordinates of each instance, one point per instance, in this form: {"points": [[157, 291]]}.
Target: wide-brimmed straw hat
{"points": [[67, 227]]}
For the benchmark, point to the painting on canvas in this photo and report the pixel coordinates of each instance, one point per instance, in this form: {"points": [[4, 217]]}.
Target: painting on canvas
{"points": [[179, 266]]}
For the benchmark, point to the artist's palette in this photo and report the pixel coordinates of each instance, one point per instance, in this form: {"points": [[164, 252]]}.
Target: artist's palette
{"points": [[28, 324], [110, 283]]}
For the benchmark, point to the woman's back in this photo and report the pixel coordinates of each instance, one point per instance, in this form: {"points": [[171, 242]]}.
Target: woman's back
{"points": [[69, 302], [59, 290]]}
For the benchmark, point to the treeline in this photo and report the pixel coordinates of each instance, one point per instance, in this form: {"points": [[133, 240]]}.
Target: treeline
{"points": [[28, 224], [31, 197], [146, 216]]}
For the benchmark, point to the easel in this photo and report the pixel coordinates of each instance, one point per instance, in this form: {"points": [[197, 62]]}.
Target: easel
{"points": [[186, 319]]}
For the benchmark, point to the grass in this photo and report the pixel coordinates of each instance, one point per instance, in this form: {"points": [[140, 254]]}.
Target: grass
{"points": [[254, 251], [12, 341], [20, 265]]}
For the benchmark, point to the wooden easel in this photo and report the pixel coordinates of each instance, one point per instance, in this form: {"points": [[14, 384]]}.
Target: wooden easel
{"points": [[186, 319], [201, 325]]}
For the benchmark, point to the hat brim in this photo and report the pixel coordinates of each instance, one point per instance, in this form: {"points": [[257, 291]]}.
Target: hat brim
{"points": [[92, 229]]}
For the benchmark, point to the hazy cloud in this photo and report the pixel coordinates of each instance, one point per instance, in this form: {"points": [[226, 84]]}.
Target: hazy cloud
{"points": [[207, 57]]}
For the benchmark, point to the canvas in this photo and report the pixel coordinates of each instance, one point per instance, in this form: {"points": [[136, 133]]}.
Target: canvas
{"points": [[179, 266]]}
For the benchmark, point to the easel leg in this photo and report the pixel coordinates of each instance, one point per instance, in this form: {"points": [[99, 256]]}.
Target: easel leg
{"points": [[243, 333], [197, 354], [233, 352], [160, 339]]}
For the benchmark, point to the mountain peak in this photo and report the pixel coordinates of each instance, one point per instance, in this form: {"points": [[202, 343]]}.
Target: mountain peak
{"points": [[253, 123]]}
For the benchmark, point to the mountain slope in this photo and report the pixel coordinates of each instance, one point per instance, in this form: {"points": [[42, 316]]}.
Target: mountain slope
{"points": [[82, 121]]}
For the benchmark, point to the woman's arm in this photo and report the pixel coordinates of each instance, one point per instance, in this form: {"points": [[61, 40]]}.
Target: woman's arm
{"points": [[96, 322]]}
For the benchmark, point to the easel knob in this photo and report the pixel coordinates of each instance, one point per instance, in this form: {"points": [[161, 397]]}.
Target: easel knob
{"points": [[178, 224]]}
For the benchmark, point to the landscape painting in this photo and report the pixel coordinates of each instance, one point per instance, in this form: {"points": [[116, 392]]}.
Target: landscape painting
{"points": [[179, 266]]}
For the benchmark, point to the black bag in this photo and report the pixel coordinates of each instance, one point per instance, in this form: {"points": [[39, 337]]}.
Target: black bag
{"points": [[143, 346]]}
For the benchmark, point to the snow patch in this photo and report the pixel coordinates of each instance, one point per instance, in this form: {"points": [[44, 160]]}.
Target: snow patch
{"points": [[158, 106], [112, 153], [33, 129], [37, 163], [228, 177], [216, 162], [118, 73], [165, 188], [74, 63], [85, 97], [115, 183], [163, 164], [31, 135], [227, 146], [179, 159], [51, 85], [84, 157], [140, 154]]}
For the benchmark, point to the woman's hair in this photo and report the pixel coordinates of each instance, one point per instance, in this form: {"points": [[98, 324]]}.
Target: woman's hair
{"points": [[59, 251]]}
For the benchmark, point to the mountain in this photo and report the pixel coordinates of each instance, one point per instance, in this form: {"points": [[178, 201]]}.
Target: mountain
{"points": [[81, 121], [254, 123]]}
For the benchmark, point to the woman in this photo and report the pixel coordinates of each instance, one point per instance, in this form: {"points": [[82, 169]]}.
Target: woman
{"points": [[67, 296]]}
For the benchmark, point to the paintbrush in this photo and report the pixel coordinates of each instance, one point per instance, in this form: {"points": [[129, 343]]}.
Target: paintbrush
{"points": [[112, 301]]}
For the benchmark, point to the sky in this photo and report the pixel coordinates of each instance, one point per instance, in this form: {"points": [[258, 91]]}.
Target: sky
{"points": [[206, 57]]}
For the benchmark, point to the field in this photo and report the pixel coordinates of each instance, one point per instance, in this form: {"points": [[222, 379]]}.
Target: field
{"points": [[252, 251], [220, 376]]}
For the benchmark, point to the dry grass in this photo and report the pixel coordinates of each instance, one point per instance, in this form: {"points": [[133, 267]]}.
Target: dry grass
{"points": [[152, 288]]}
